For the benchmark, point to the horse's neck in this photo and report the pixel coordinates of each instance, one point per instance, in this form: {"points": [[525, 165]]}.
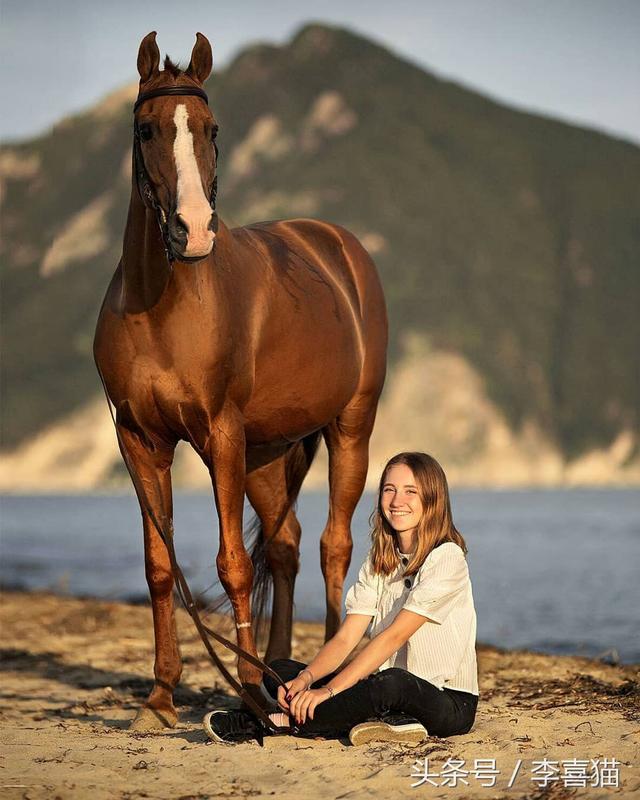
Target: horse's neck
{"points": [[145, 268], [146, 271]]}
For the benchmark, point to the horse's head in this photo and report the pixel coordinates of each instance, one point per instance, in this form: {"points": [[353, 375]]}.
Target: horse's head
{"points": [[174, 148]]}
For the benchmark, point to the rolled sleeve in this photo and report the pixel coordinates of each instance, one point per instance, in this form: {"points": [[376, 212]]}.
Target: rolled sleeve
{"points": [[362, 597], [439, 584]]}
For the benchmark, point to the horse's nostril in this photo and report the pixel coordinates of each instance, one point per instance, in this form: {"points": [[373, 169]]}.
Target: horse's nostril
{"points": [[178, 229], [181, 224]]}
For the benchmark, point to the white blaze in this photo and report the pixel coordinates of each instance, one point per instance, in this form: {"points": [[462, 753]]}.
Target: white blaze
{"points": [[193, 206]]}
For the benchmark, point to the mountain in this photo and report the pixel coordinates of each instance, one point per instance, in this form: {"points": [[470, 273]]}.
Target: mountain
{"points": [[508, 245]]}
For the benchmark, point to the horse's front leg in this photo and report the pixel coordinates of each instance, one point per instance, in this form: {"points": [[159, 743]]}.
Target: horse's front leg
{"points": [[152, 481], [226, 461]]}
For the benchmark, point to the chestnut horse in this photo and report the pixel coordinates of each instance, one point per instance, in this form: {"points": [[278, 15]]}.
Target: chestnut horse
{"points": [[249, 343]]}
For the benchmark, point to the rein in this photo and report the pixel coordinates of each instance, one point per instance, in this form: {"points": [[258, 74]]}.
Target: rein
{"points": [[143, 182], [184, 593]]}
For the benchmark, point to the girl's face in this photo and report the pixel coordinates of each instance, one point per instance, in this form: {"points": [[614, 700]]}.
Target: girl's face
{"points": [[400, 501]]}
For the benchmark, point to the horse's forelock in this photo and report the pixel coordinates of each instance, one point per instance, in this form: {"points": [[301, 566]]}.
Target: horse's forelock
{"points": [[174, 69]]}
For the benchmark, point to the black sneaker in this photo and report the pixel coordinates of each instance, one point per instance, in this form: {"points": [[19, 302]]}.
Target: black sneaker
{"points": [[232, 725]]}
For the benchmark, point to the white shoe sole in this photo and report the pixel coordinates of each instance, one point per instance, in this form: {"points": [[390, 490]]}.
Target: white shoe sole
{"points": [[379, 731], [206, 722]]}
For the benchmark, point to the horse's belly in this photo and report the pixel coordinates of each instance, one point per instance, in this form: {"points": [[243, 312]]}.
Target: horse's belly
{"points": [[292, 398]]}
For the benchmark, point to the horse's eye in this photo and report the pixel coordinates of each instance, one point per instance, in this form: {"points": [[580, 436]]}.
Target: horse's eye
{"points": [[146, 132]]}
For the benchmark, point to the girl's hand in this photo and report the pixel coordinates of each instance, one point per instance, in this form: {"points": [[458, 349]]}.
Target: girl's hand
{"points": [[294, 687], [303, 705]]}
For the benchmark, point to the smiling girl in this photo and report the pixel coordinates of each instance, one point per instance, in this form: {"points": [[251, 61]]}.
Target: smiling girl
{"points": [[417, 675]]}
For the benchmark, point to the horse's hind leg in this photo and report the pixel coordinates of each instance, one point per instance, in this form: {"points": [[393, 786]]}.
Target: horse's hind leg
{"points": [[347, 439], [267, 493], [154, 479]]}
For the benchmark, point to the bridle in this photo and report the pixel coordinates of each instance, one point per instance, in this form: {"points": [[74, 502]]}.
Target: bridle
{"points": [[143, 182]]}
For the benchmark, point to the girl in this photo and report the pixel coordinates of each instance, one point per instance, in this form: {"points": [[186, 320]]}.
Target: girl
{"points": [[414, 589]]}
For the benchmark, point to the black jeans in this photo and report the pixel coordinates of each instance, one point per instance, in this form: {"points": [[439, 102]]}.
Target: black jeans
{"points": [[443, 713]]}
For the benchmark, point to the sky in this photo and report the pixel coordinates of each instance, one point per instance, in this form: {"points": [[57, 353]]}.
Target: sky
{"points": [[576, 60]]}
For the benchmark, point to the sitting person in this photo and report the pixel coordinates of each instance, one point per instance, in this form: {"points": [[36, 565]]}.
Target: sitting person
{"points": [[417, 676]]}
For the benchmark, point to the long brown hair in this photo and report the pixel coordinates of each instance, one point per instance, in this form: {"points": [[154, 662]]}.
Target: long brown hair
{"points": [[435, 526]]}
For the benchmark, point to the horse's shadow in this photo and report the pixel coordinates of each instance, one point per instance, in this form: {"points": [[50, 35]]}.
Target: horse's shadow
{"points": [[128, 690], [132, 691]]}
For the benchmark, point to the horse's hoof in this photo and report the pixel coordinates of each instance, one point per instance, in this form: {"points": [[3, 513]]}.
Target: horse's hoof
{"points": [[258, 696], [152, 719]]}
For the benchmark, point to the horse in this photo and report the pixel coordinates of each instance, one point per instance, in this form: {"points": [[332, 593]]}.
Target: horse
{"points": [[249, 343]]}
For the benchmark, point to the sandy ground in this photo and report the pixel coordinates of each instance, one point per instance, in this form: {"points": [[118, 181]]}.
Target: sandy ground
{"points": [[74, 671]]}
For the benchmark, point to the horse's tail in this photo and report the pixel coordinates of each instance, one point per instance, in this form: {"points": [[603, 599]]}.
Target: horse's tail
{"points": [[298, 460]]}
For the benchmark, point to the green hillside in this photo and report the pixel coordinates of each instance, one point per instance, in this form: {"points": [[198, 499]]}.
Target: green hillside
{"points": [[507, 237]]}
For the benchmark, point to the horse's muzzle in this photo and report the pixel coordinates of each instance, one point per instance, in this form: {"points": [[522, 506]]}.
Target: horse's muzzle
{"points": [[191, 244]]}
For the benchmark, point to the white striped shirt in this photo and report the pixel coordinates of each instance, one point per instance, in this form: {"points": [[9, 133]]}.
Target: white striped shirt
{"points": [[443, 649]]}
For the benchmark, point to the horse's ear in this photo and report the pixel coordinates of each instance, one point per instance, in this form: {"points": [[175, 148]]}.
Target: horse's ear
{"points": [[148, 57], [201, 59]]}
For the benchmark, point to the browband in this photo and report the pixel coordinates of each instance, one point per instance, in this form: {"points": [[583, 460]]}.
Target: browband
{"points": [[170, 90]]}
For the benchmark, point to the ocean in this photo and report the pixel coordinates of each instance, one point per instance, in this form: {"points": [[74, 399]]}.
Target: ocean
{"points": [[555, 571]]}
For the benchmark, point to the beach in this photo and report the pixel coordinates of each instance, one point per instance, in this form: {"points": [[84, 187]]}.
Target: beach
{"points": [[75, 671]]}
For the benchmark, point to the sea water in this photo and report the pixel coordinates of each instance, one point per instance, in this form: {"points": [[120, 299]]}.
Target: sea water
{"points": [[552, 570]]}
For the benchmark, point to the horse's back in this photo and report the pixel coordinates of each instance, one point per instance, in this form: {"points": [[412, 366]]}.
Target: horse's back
{"points": [[328, 249], [342, 332]]}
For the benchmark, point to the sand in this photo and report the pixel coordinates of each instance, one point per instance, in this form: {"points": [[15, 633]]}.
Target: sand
{"points": [[75, 671]]}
